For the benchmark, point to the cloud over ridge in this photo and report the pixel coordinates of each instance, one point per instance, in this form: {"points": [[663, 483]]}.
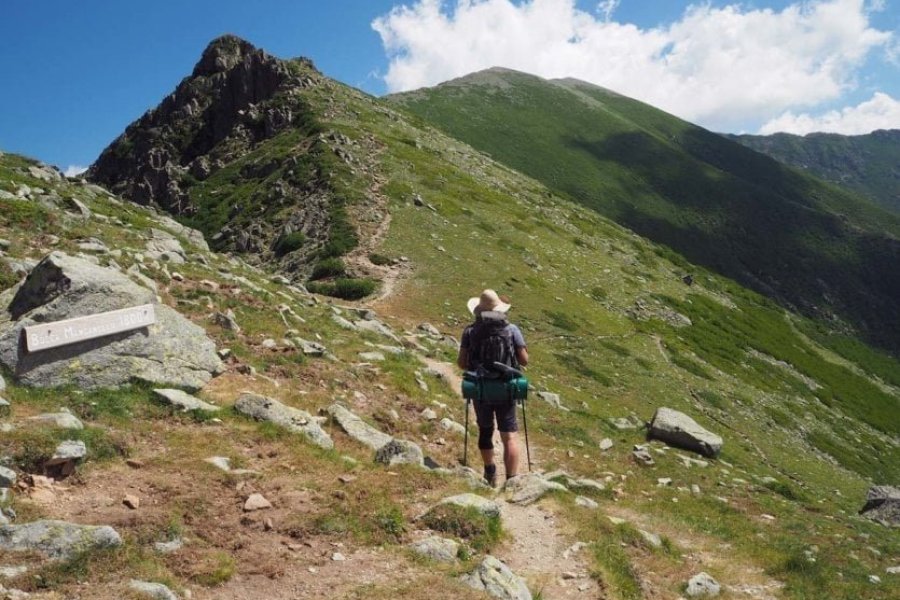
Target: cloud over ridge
{"points": [[722, 67]]}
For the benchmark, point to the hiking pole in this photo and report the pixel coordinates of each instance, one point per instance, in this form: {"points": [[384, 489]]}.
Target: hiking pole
{"points": [[525, 424], [466, 443]]}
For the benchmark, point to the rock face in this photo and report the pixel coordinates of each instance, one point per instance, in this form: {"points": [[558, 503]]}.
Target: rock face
{"points": [[679, 430], [56, 539], [173, 351], [883, 505], [236, 99], [495, 578], [296, 420]]}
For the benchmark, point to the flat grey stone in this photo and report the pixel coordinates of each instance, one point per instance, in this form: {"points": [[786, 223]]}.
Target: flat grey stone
{"points": [[310, 348], [183, 400], [529, 487], [651, 538], [400, 452], [56, 539], [358, 429], [485, 506], [220, 462], [495, 578], [372, 356], [156, 591], [68, 453], [679, 430], [586, 502], [169, 547], [61, 420], [702, 585], [376, 326], [606, 444], [883, 505], [294, 419], [436, 548], [552, 399]]}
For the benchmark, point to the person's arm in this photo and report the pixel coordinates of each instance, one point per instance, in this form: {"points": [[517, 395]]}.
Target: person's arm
{"points": [[462, 359], [522, 356]]}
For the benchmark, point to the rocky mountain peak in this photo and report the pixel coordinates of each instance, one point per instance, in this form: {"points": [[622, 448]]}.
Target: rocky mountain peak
{"points": [[223, 53]]}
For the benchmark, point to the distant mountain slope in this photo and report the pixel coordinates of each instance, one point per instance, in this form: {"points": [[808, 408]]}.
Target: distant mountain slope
{"points": [[793, 237], [868, 164]]}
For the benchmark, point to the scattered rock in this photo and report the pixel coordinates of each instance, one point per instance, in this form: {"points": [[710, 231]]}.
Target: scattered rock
{"points": [[893, 570], [642, 456], [226, 320], [294, 419], [529, 487], [429, 415], [883, 505], [131, 501], [156, 591], [256, 502], [378, 327], [7, 477], [62, 420], [67, 455], [586, 502], [606, 444], [622, 424], [220, 462], [400, 452], [56, 539], [372, 356], [651, 538], [338, 557], [173, 351], [702, 585], [678, 429], [183, 400], [169, 547], [451, 425], [358, 429], [436, 548], [495, 578], [486, 507], [874, 579], [310, 348]]}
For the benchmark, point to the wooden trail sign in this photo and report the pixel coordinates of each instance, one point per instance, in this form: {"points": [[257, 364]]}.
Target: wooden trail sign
{"points": [[79, 329]]}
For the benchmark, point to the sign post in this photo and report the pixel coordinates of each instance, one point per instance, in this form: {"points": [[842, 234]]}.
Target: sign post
{"points": [[60, 333]]}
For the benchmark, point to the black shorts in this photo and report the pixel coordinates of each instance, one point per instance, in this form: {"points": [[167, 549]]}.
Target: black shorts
{"points": [[505, 414]]}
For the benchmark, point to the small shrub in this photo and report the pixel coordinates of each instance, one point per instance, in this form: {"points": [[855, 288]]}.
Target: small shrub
{"points": [[346, 289], [289, 242], [785, 490], [329, 267]]}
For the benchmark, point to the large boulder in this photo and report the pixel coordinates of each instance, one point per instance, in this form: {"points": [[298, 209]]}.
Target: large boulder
{"points": [[400, 452], [172, 352], [57, 539], [883, 505], [679, 430], [294, 419]]}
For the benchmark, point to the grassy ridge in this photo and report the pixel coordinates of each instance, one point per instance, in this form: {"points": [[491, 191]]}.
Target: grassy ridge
{"points": [[792, 237]]}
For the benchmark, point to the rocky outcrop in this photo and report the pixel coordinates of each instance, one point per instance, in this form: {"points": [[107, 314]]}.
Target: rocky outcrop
{"points": [[436, 548], [679, 430], [173, 351], [883, 505]]}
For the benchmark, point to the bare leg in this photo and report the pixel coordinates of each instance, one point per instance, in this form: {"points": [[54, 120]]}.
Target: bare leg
{"points": [[510, 453], [487, 456]]}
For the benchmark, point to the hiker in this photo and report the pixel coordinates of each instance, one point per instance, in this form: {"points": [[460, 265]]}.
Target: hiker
{"points": [[492, 338]]}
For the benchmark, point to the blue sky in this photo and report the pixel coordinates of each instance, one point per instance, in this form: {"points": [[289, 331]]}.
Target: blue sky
{"points": [[75, 74]]}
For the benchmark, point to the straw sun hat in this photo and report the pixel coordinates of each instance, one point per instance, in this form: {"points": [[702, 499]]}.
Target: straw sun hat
{"points": [[488, 301]]}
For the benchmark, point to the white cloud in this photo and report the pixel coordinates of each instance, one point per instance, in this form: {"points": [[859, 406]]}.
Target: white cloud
{"points": [[724, 67], [881, 112], [74, 170]]}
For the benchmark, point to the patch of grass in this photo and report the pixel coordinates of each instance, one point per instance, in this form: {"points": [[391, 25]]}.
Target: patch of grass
{"points": [[328, 267], [481, 531], [561, 320], [614, 570], [380, 259], [214, 568], [787, 491], [713, 398]]}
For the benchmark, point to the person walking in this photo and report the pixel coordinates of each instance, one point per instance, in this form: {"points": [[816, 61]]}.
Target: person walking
{"points": [[491, 337]]}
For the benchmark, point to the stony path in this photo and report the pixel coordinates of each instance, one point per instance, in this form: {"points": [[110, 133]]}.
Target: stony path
{"points": [[540, 553]]}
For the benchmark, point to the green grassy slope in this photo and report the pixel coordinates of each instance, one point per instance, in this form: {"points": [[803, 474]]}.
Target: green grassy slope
{"points": [[598, 305], [868, 164], [787, 235]]}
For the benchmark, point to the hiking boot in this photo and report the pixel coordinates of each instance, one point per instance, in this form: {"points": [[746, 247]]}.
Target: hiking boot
{"points": [[490, 475]]}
